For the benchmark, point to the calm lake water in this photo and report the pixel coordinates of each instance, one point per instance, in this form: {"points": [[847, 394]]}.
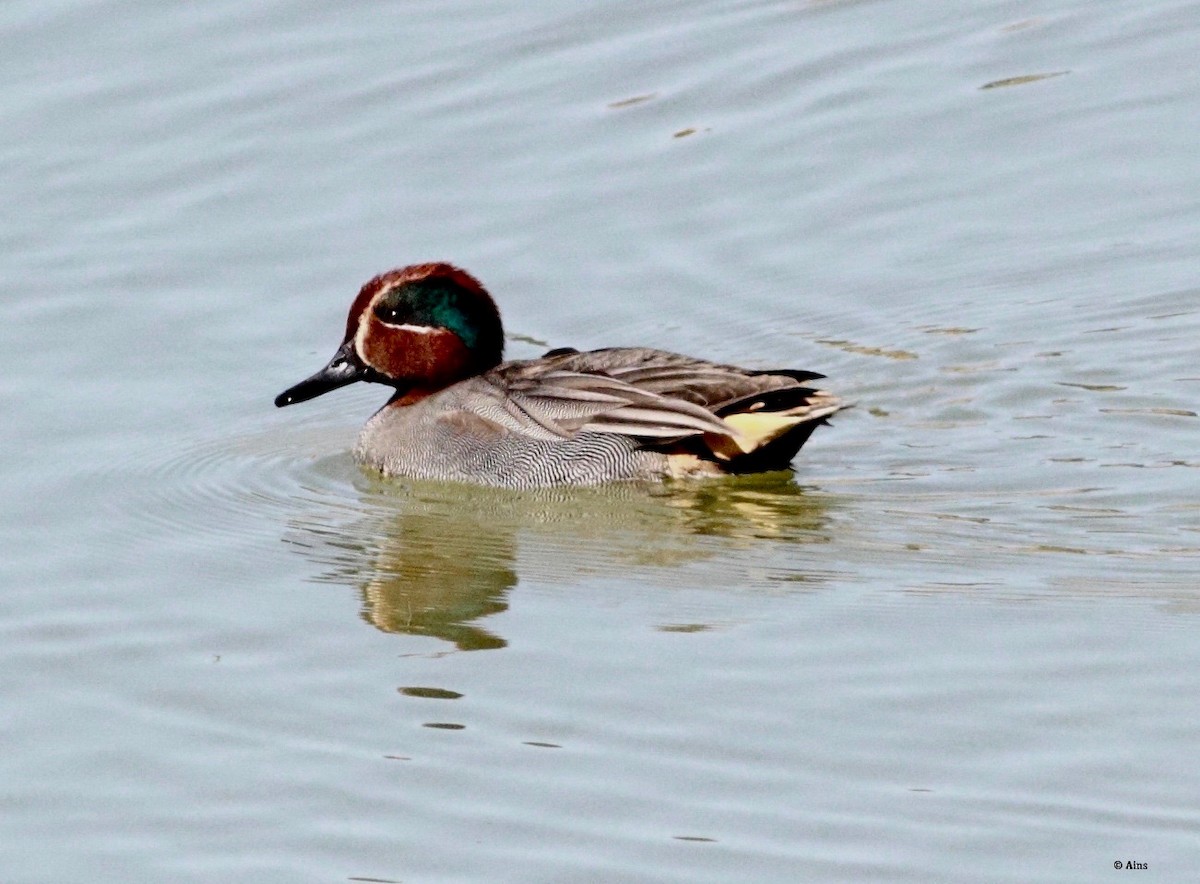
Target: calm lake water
{"points": [[959, 644]]}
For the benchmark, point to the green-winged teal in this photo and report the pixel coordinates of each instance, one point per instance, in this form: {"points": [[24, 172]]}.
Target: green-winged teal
{"points": [[459, 412]]}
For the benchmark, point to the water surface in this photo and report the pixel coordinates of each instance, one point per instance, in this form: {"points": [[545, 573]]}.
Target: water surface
{"points": [[956, 645]]}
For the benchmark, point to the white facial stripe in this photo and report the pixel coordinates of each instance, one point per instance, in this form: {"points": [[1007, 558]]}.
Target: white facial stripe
{"points": [[419, 329], [360, 335]]}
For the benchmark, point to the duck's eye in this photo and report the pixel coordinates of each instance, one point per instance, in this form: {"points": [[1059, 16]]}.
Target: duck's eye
{"points": [[389, 314]]}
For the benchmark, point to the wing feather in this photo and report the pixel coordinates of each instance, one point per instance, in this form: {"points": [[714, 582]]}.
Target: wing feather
{"points": [[643, 393]]}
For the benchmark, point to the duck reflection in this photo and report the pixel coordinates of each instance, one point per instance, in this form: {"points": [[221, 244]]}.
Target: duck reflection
{"points": [[434, 559], [420, 587]]}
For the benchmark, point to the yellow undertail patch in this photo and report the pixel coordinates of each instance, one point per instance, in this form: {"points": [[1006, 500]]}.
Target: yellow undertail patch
{"points": [[756, 429], [753, 432]]}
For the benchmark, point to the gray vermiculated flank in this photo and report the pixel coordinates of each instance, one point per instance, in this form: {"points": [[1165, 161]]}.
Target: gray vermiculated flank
{"points": [[414, 442]]}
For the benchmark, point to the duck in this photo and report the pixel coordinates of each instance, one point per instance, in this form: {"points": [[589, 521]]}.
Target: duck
{"points": [[460, 412]]}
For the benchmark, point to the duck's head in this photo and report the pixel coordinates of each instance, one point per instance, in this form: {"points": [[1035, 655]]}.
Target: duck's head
{"points": [[419, 328]]}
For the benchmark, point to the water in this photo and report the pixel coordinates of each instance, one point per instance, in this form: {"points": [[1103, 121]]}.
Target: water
{"points": [[957, 645]]}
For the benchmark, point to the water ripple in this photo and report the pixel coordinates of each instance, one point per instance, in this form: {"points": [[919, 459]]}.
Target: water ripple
{"points": [[216, 488]]}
